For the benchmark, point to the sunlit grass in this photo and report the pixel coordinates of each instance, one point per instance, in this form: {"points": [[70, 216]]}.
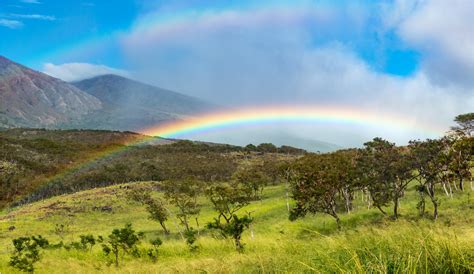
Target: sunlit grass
{"points": [[368, 242]]}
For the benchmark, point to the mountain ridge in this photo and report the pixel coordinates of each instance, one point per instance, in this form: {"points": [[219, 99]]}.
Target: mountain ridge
{"points": [[33, 99]]}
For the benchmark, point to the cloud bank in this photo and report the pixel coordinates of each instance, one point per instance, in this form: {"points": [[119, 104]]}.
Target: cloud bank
{"points": [[307, 55], [71, 72]]}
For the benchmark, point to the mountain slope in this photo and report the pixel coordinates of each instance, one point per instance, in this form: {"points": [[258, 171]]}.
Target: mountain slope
{"points": [[120, 91], [32, 99], [131, 105]]}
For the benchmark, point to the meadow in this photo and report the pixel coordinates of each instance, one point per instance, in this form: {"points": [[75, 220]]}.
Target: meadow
{"points": [[367, 242]]}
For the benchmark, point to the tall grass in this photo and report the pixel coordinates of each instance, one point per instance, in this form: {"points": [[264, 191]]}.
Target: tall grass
{"points": [[368, 242]]}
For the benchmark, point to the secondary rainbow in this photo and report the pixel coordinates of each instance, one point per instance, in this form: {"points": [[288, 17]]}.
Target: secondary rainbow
{"points": [[259, 116]]}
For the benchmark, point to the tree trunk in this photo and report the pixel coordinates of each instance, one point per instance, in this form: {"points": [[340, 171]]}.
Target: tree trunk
{"points": [[445, 190], [338, 222], [431, 193], [461, 183], [472, 186], [116, 259], [197, 225], [395, 208], [287, 198], [238, 244], [167, 232], [455, 186]]}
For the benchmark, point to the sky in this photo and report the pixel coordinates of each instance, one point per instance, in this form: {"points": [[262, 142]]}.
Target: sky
{"points": [[405, 57]]}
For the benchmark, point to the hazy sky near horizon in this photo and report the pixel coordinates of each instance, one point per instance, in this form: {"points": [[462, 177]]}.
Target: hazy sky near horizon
{"points": [[407, 57]]}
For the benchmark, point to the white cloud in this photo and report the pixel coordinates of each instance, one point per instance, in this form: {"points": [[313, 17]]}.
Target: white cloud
{"points": [[30, 1], [34, 16], [12, 24], [444, 32], [70, 72], [262, 57]]}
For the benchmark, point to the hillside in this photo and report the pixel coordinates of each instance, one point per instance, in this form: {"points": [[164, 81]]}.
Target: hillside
{"points": [[52, 162], [32, 99], [368, 242]]}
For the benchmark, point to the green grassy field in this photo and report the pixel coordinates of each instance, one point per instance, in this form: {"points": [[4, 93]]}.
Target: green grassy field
{"points": [[368, 241]]}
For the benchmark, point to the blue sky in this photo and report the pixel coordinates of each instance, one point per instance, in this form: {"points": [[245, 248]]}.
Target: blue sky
{"points": [[62, 26], [403, 57]]}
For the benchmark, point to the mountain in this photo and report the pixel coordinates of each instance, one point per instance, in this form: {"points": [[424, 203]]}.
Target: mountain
{"points": [[132, 105], [120, 91], [33, 99]]}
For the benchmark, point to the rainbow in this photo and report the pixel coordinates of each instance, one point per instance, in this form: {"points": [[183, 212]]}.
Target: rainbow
{"points": [[257, 116], [279, 114]]}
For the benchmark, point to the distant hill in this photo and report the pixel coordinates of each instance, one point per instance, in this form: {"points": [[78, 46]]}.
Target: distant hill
{"points": [[131, 105], [30, 98]]}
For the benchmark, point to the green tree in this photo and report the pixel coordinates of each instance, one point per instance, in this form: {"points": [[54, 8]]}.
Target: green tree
{"points": [[376, 170], [153, 252], [252, 176], [316, 183], [465, 124], [26, 252], [429, 163], [154, 206], [235, 228], [461, 152], [227, 199], [184, 195], [122, 240]]}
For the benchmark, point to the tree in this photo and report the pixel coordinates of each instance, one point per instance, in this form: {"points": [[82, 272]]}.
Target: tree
{"points": [[26, 252], [403, 168], [376, 170], [460, 154], [253, 177], [315, 186], [227, 199], [153, 252], [465, 124], [184, 194], [154, 206], [124, 239], [428, 162], [234, 228], [267, 148]]}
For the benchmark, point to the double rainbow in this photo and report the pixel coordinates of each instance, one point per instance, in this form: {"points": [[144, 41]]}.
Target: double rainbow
{"points": [[258, 116]]}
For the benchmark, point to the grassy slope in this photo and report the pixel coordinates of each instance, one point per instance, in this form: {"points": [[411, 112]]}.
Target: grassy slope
{"points": [[368, 241]]}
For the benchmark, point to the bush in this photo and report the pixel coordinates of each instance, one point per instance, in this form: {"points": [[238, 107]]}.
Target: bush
{"points": [[26, 252]]}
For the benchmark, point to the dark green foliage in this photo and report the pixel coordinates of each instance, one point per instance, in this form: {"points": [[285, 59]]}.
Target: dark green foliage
{"points": [[465, 125], [267, 147], [190, 236], [122, 240], [318, 182], [153, 252], [26, 252], [86, 242], [233, 229], [228, 198], [429, 162], [253, 177]]}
